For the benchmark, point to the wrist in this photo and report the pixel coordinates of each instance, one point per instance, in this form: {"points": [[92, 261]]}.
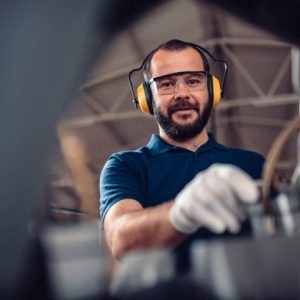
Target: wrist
{"points": [[180, 222]]}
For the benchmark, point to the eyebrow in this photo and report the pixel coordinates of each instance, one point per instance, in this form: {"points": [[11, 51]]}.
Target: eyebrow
{"points": [[175, 74]]}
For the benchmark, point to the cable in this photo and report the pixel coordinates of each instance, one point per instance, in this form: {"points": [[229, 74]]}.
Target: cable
{"points": [[272, 159]]}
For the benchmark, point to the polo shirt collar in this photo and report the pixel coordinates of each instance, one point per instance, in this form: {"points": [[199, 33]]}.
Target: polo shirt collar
{"points": [[157, 146]]}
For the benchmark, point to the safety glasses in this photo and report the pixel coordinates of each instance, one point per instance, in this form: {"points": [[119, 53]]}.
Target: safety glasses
{"points": [[168, 84]]}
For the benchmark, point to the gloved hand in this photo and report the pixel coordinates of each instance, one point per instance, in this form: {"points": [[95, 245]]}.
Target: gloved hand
{"points": [[213, 199]]}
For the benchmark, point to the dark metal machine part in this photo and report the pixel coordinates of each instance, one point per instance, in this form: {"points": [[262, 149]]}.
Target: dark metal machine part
{"points": [[252, 269]]}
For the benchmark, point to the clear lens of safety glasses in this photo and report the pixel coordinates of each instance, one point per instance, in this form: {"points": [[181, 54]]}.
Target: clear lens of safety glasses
{"points": [[167, 84]]}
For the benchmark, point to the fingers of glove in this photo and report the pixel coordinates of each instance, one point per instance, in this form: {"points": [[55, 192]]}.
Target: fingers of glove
{"points": [[204, 205], [228, 217], [221, 192], [219, 183], [189, 213], [207, 218], [237, 180], [212, 203]]}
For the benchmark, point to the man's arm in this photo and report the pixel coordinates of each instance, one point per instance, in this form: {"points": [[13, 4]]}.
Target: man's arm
{"points": [[128, 225], [213, 199]]}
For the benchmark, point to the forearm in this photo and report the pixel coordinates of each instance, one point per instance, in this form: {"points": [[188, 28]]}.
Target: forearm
{"points": [[144, 229]]}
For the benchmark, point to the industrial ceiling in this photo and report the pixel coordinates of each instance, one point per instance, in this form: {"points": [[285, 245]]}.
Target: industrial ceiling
{"points": [[261, 97]]}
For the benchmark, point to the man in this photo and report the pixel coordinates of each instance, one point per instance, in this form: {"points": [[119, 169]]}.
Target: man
{"points": [[183, 185]]}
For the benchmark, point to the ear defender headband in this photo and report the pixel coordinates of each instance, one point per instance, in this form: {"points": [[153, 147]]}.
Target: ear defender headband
{"points": [[143, 96]]}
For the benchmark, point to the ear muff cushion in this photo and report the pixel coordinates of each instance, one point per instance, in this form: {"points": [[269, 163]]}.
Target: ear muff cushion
{"points": [[144, 98], [214, 89]]}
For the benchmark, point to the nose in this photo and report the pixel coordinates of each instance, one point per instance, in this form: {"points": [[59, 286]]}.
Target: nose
{"points": [[181, 90]]}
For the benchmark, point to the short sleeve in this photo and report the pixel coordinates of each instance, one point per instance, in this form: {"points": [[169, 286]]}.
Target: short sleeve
{"points": [[118, 180]]}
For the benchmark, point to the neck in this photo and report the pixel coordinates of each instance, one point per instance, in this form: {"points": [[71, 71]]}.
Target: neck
{"points": [[192, 144]]}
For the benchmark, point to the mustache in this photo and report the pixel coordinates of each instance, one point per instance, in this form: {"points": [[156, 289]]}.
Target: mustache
{"points": [[183, 105]]}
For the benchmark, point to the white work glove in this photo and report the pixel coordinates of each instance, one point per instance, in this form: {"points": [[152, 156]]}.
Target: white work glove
{"points": [[213, 199]]}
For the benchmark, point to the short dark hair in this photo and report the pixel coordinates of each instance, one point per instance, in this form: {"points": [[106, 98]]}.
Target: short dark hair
{"points": [[172, 45]]}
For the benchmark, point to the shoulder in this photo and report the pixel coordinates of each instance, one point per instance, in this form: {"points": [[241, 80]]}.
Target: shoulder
{"points": [[250, 161], [236, 153], [129, 156], [125, 160], [246, 154]]}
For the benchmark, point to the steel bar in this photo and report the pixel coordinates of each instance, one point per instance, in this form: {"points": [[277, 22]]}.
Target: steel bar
{"points": [[280, 75], [274, 100], [240, 67]]}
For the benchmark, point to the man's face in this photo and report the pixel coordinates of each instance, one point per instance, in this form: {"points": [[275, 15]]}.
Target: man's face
{"points": [[184, 112]]}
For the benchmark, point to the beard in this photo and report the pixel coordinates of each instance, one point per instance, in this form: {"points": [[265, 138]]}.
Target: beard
{"points": [[178, 132]]}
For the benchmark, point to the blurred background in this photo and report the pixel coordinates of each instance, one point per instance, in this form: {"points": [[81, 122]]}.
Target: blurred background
{"points": [[101, 118], [65, 106]]}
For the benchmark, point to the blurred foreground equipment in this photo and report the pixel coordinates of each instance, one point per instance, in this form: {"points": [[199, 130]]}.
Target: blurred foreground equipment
{"points": [[76, 267]]}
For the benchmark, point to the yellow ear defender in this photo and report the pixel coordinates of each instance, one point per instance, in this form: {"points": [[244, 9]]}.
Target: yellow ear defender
{"points": [[143, 96], [216, 93]]}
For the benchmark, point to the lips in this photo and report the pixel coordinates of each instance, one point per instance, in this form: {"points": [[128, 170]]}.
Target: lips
{"points": [[182, 106]]}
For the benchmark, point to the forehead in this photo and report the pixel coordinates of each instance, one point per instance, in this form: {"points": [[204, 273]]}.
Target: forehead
{"points": [[166, 62]]}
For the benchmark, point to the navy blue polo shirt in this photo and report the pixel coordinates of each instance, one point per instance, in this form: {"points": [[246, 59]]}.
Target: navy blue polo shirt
{"points": [[157, 172]]}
